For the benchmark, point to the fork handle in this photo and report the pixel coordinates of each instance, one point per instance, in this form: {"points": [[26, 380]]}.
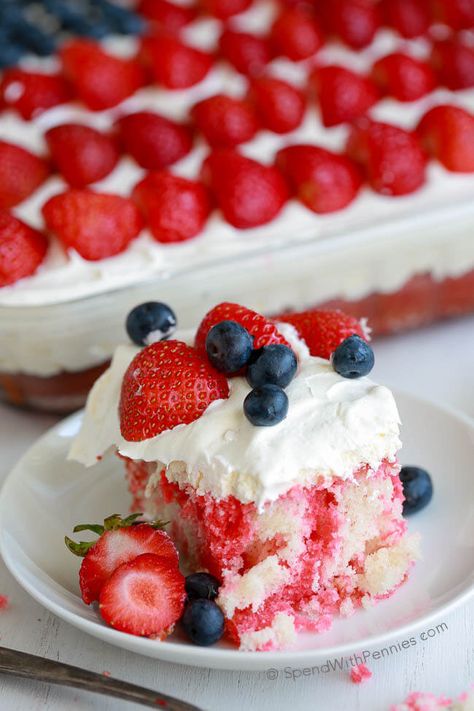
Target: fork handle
{"points": [[30, 666]]}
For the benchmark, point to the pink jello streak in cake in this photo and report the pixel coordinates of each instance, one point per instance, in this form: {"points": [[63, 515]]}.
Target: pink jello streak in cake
{"points": [[301, 522]]}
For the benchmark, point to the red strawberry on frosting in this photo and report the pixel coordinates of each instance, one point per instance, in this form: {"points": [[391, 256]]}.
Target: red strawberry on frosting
{"points": [[392, 158], [144, 597], [322, 180], [263, 331], [248, 193], [343, 95], [167, 384], [279, 105], [403, 77], [21, 172], [30, 93], [323, 331], [447, 133], [174, 64], [120, 541], [153, 140], [99, 79], [225, 121], [96, 225], [82, 154], [296, 34], [175, 208], [248, 53], [22, 249]]}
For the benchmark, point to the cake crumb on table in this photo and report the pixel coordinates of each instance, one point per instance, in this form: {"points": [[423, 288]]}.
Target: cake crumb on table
{"points": [[360, 673], [4, 602]]}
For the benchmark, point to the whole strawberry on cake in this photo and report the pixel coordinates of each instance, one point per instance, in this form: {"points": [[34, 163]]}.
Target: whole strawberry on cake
{"points": [[272, 456]]}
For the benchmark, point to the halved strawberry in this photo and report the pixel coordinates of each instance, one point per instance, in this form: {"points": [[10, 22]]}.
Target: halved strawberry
{"points": [[96, 225], [22, 249], [264, 332], [324, 331], [144, 597], [120, 541], [30, 93], [167, 384], [21, 172]]}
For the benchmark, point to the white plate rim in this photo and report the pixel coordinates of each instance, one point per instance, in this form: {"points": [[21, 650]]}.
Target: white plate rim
{"points": [[218, 658]]}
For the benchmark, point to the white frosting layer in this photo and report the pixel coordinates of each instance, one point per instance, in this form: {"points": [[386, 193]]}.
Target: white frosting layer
{"points": [[333, 426]]}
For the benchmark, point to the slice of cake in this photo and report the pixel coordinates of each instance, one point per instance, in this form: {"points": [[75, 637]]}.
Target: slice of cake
{"points": [[280, 477]]}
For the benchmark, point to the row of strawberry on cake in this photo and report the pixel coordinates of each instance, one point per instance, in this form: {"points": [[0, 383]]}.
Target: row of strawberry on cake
{"points": [[248, 193]]}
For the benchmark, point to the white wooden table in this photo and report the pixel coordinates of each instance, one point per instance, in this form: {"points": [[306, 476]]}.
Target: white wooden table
{"points": [[437, 363]]}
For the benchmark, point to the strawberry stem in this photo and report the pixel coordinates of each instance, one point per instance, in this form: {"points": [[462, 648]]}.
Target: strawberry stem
{"points": [[111, 523]]}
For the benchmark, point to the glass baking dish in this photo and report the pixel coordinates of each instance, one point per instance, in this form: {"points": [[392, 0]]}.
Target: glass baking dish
{"points": [[405, 269]]}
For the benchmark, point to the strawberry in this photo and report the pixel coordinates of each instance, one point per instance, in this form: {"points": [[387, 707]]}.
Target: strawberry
{"points": [[30, 93], [166, 15], [458, 14], [248, 193], [154, 141], [264, 332], [453, 62], [391, 158], [447, 133], [296, 34], [247, 53], [96, 225], [343, 95], [173, 64], [403, 77], [410, 18], [21, 173], [223, 9], [82, 154], [22, 249], [174, 208], [167, 384], [120, 541], [99, 79], [224, 121], [279, 106], [323, 331], [144, 597], [322, 180], [354, 22]]}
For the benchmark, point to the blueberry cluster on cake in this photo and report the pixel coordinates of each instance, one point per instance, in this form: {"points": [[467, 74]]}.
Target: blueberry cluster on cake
{"points": [[275, 466]]}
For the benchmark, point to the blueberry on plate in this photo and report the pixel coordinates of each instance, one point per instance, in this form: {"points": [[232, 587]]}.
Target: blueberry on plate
{"points": [[150, 322], [353, 358], [229, 346], [266, 405], [417, 488], [203, 622], [275, 364], [121, 19], [201, 586]]}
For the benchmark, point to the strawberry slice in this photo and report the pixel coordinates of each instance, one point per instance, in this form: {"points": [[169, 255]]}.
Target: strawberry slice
{"points": [[31, 93], [120, 541], [324, 331], [144, 597], [264, 332], [21, 172], [22, 249], [167, 384], [96, 225]]}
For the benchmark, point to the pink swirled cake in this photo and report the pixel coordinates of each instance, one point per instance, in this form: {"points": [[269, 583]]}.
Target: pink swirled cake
{"points": [[300, 521]]}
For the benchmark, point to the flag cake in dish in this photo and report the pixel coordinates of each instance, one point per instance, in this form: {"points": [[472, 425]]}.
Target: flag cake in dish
{"points": [[219, 155], [276, 468]]}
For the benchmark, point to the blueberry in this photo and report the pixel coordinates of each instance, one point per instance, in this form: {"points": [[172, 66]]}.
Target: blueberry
{"points": [[32, 38], [203, 622], [150, 322], [229, 346], [266, 405], [417, 488], [121, 19], [10, 53], [353, 358], [201, 585], [275, 364]]}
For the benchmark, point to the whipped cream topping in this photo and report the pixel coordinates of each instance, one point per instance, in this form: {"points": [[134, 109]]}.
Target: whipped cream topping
{"points": [[333, 426]]}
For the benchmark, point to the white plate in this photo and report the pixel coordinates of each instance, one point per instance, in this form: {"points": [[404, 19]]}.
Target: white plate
{"points": [[45, 496]]}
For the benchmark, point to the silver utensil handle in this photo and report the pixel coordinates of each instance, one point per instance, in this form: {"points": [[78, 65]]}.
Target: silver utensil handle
{"points": [[30, 666]]}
